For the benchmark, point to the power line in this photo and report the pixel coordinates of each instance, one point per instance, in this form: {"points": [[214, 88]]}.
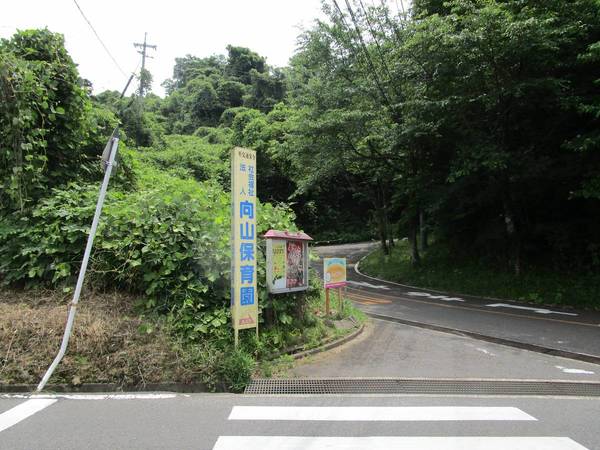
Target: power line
{"points": [[99, 39]]}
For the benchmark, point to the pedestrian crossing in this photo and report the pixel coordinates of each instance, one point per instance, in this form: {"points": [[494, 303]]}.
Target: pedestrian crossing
{"points": [[426, 414]]}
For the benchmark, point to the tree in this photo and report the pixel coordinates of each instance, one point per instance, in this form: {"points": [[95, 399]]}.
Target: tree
{"points": [[475, 116], [190, 67], [203, 102], [145, 82], [241, 61], [266, 90], [231, 93], [504, 70]]}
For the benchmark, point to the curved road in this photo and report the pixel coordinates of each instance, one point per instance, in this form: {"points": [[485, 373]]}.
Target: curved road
{"points": [[568, 333]]}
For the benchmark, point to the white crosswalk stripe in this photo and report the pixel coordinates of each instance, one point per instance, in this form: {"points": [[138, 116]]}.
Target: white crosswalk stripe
{"points": [[23, 411], [373, 414], [389, 442], [376, 413]]}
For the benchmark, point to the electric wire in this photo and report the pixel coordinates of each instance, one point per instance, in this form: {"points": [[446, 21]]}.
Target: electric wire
{"points": [[99, 39]]}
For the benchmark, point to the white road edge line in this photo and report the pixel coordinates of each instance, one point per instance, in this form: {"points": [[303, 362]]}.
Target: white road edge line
{"points": [[577, 371], [92, 396], [23, 411], [364, 283], [495, 305], [377, 413], [395, 442], [435, 297], [529, 308]]}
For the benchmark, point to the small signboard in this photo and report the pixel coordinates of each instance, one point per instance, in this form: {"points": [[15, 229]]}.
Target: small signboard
{"points": [[244, 295], [334, 270], [287, 261]]}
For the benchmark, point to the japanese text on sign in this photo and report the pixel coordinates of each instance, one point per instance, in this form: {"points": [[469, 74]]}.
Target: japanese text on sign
{"points": [[244, 307]]}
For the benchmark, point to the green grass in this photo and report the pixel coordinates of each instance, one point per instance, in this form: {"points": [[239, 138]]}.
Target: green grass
{"points": [[438, 270]]}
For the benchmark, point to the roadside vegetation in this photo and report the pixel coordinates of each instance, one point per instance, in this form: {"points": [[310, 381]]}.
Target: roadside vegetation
{"points": [[443, 270], [474, 121], [118, 341], [158, 282]]}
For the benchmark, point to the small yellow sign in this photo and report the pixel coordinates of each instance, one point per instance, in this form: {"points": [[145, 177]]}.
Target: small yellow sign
{"points": [[334, 272], [278, 276]]}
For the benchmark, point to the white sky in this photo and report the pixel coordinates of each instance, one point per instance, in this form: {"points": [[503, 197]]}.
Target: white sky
{"points": [[177, 27]]}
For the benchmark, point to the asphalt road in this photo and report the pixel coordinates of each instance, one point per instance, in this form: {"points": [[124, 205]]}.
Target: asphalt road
{"points": [[388, 349], [563, 331], [223, 422]]}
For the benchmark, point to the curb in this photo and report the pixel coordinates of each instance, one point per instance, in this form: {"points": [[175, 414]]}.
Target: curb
{"points": [[105, 387], [329, 345], [495, 340], [482, 337]]}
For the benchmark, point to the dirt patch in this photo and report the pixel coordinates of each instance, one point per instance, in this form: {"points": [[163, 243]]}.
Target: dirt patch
{"points": [[334, 352], [110, 344]]}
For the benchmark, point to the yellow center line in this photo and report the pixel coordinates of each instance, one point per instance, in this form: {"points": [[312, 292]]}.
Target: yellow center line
{"points": [[414, 300], [369, 299]]}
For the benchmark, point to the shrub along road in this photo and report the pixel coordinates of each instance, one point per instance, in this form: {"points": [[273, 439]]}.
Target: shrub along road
{"points": [[550, 330]]}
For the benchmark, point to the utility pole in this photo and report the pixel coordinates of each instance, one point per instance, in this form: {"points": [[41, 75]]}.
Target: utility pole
{"points": [[142, 52]]}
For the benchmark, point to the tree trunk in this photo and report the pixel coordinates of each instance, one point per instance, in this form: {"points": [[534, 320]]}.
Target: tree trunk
{"points": [[389, 231], [514, 241], [415, 258], [382, 231], [423, 231]]}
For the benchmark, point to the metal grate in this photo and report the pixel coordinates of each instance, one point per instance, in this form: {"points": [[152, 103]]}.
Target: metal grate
{"points": [[420, 386]]}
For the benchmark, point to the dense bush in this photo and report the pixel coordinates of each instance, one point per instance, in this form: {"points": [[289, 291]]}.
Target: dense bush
{"points": [[168, 240], [190, 156], [45, 247], [49, 131]]}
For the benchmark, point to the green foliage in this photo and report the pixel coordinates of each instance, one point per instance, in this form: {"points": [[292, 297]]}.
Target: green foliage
{"points": [[47, 246], [230, 114], [167, 240], [203, 102], [43, 116], [191, 67], [214, 135], [195, 324], [141, 128], [145, 82], [267, 89], [241, 135], [140, 117], [241, 62], [235, 369], [231, 93], [203, 88], [478, 119], [191, 156]]}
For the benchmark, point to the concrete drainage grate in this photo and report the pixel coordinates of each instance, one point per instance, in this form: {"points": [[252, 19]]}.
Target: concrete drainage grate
{"points": [[421, 386]]}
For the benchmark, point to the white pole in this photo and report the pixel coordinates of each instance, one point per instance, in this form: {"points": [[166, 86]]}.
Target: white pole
{"points": [[114, 143]]}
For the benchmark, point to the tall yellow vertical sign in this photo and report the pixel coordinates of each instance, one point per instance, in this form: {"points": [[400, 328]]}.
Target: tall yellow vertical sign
{"points": [[244, 295]]}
